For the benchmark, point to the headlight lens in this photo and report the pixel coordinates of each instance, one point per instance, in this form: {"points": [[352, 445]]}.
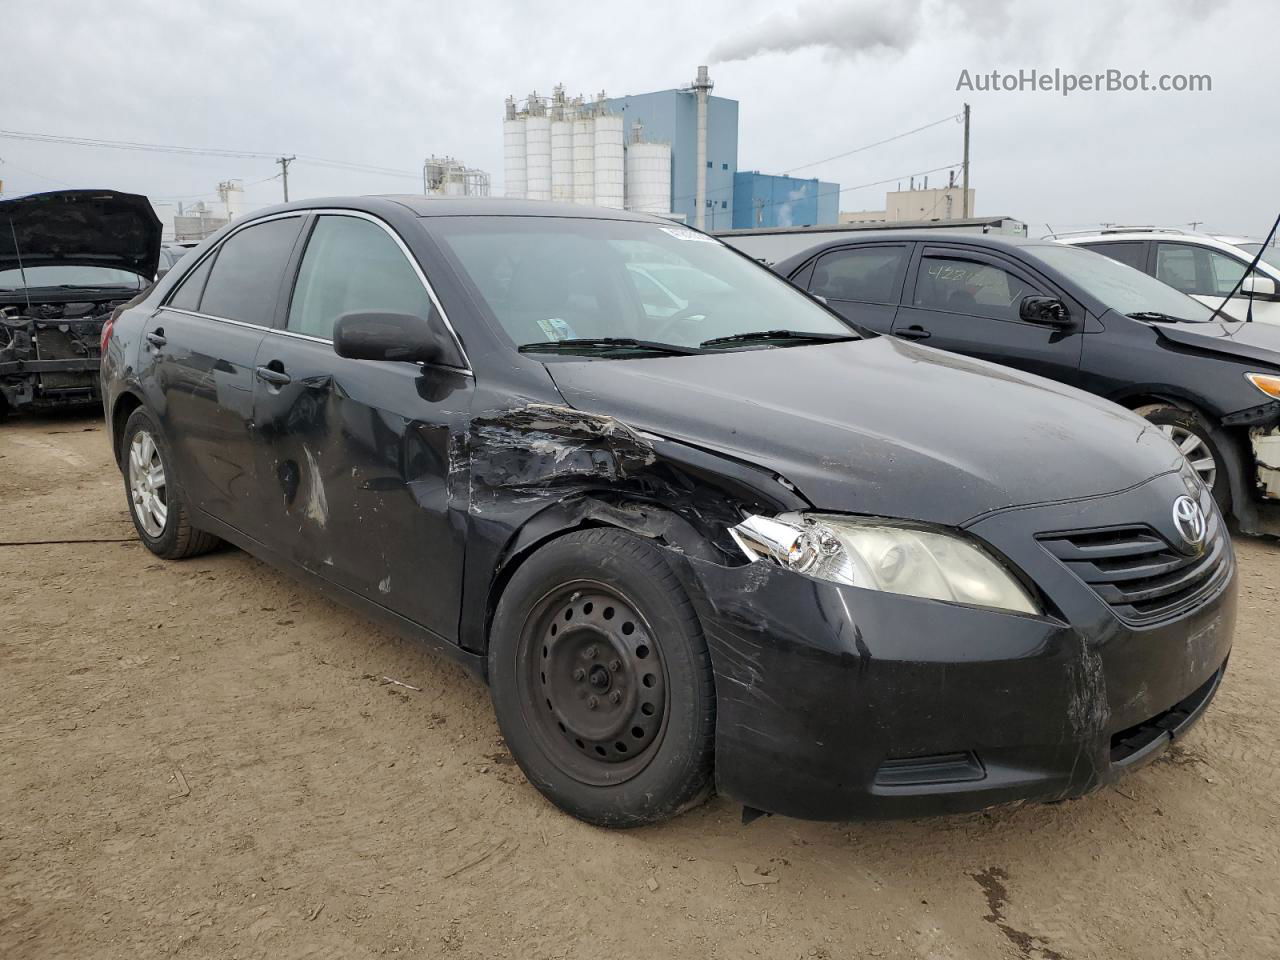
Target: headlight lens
{"points": [[884, 555], [1267, 383]]}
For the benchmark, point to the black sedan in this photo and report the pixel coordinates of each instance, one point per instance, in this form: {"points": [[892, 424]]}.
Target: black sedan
{"points": [[692, 528], [1082, 319]]}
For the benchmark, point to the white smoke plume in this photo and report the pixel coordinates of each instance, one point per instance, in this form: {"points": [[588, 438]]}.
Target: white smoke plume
{"points": [[855, 27]]}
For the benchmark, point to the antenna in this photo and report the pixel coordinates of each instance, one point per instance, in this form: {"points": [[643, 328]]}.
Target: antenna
{"points": [[22, 271]]}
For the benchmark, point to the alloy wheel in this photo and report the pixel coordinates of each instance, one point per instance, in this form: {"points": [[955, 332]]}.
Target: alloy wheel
{"points": [[1196, 451], [147, 488]]}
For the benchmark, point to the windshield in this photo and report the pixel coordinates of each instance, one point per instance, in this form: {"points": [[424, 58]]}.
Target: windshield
{"points": [[70, 276], [553, 279], [1270, 255], [1123, 289]]}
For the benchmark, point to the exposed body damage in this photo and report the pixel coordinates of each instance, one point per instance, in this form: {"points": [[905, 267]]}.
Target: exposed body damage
{"points": [[455, 497], [68, 260]]}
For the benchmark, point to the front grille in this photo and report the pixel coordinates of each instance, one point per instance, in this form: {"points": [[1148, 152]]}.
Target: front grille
{"points": [[1138, 573]]}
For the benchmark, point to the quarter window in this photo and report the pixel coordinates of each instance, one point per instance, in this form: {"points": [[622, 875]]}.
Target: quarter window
{"points": [[245, 280], [867, 274], [192, 285], [353, 266], [965, 286]]}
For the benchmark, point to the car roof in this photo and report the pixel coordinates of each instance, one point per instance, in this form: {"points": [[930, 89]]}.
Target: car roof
{"points": [[989, 241], [464, 207]]}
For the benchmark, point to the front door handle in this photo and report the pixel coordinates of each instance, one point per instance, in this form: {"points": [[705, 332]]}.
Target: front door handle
{"points": [[914, 332], [277, 378], [157, 338]]}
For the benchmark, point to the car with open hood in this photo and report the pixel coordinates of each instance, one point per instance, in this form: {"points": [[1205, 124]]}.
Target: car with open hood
{"points": [[693, 528], [68, 259], [1212, 384]]}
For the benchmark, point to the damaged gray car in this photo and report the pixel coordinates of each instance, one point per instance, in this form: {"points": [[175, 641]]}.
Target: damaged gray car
{"points": [[68, 259], [696, 534]]}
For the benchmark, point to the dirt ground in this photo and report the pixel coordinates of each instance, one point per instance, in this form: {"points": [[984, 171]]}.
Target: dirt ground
{"points": [[203, 759]]}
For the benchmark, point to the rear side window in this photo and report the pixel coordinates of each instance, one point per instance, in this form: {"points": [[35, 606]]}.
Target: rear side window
{"points": [[1132, 253], [1197, 271], [246, 276], [966, 286], [867, 274], [192, 285], [352, 266]]}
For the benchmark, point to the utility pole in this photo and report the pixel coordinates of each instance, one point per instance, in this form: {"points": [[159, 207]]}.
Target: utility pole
{"points": [[965, 175], [1195, 224], [284, 173]]}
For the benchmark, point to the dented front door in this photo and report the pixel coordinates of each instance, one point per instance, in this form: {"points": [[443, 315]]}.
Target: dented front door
{"points": [[354, 463]]}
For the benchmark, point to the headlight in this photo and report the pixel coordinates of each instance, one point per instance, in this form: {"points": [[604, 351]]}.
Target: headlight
{"points": [[1266, 382], [884, 555]]}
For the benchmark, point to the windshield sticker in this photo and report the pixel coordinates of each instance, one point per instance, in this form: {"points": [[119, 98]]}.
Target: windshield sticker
{"points": [[681, 233], [556, 329]]}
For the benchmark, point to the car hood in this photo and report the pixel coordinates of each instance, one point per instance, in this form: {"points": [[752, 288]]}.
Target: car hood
{"points": [[1252, 341], [881, 427], [84, 228]]}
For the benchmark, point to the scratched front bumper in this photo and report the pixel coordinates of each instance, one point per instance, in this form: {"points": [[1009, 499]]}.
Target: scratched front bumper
{"points": [[821, 688]]}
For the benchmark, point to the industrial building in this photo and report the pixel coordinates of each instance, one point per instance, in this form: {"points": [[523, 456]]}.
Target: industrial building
{"points": [[671, 152], [446, 177], [923, 203], [766, 200]]}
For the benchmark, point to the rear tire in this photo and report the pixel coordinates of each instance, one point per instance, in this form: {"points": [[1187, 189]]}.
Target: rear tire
{"points": [[601, 680], [1191, 433], [157, 505]]}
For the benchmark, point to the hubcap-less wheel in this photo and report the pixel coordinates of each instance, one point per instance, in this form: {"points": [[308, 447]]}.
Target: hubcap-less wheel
{"points": [[595, 686], [147, 484], [1195, 450]]}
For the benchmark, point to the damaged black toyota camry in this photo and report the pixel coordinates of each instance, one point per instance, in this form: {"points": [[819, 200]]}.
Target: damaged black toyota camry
{"points": [[693, 528]]}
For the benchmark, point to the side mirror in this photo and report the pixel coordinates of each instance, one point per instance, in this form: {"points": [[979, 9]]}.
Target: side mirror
{"points": [[1050, 311], [1258, 287], [392, 336]]}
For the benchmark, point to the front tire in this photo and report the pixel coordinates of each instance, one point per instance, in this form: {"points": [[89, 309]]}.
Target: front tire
{"points": [[1191, 435], [157, 505], [601, 680]]}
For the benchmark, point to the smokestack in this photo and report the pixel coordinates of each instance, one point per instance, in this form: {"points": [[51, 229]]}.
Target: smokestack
{"points": [[702, 87]]}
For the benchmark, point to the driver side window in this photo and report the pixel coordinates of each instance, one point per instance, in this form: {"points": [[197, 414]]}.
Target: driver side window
{"points": [[352, 266], [967, 286]]}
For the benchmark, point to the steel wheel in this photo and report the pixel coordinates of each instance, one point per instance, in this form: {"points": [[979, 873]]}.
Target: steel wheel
{"points": [[147, 488], [1196, 451], [594, 683]]}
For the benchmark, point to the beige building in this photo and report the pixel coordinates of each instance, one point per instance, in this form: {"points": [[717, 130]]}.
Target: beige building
{"points": [[939, 203]]}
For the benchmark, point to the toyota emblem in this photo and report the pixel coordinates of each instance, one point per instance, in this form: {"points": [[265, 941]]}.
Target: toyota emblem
{"points": [[1188, 518]]}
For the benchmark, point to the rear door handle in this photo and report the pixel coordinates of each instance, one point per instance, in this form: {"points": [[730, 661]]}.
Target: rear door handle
{"points": [[277, 378], [913, 333], [157, 338]]}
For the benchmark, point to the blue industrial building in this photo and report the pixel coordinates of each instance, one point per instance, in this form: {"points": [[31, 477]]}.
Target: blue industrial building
{"points": [[765, 200], [671, 116]]}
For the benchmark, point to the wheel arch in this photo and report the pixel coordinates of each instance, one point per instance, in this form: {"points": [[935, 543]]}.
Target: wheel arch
{"points": [[125, 404], [649, 520]]}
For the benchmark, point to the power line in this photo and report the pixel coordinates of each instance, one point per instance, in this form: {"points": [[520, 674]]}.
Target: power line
{"points": [[878, 143], [201, 152]]}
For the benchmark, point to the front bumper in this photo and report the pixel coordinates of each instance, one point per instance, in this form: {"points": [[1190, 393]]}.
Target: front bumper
{"points": [[835, 702]]}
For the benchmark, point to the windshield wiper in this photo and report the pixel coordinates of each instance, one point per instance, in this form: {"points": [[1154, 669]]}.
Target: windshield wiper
{"points": [[1159, 317], [577, 344], [794, 335]]}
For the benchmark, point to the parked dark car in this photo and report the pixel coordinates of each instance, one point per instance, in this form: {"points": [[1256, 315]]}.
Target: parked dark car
{"points": [[1082, 319], [67, 260], [837, 576]]}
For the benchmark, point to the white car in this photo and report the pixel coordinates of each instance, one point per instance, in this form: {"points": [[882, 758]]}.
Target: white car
{"points": [[1200, 265]]}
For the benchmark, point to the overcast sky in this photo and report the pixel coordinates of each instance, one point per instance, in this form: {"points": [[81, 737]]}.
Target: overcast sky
{"points": [[386, 83]]}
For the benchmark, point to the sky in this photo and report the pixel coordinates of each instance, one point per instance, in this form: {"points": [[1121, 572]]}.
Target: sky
{"points": [[384, 83]]}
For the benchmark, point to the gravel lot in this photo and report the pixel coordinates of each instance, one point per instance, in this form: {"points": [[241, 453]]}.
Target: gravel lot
{"points": [[203, 759]]}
